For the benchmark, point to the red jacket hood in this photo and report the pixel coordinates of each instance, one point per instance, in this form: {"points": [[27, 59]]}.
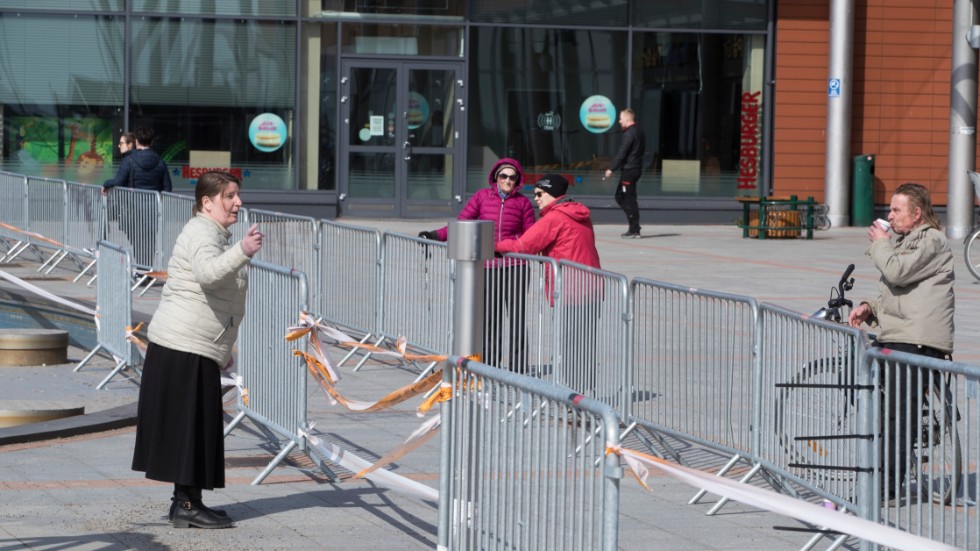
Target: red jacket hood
{"points": [[567, 207]]}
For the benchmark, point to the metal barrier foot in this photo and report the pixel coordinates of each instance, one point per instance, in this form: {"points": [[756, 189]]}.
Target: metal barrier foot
{"points": [[119, 367], [87, 358], [85, 270]]}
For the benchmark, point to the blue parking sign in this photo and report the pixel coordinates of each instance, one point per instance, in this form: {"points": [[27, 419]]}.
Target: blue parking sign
{"points": [[833, 88]]}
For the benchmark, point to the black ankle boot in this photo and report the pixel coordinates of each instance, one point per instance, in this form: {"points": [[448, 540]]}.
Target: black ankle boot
{"points": [[187, 514], [216, 512], [200, 504]]}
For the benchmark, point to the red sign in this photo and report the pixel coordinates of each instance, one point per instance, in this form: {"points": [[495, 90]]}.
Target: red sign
{"points": [[193, 172], [748, 161]]}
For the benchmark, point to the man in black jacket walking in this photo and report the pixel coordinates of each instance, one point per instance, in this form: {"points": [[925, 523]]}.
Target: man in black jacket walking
{"points": [[629, 158]]}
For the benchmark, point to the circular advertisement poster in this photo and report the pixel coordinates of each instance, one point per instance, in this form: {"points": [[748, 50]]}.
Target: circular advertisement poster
{"points": [[418, 110], [267, 132], [597, 114]]}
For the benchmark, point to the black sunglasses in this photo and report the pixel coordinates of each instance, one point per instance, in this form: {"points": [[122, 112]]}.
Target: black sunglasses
{"points": [[538, 193], [511, 177]]}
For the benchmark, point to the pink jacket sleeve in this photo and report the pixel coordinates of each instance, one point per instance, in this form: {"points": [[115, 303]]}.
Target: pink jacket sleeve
{"points": [[470, 212]]}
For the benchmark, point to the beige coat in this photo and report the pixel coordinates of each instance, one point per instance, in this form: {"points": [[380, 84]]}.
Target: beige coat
{"points": [[203, 301], [915, 304]]}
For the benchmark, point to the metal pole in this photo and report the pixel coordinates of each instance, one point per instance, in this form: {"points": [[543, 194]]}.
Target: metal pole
{"points": [[962, 122], [470, 244], [839, 85]]}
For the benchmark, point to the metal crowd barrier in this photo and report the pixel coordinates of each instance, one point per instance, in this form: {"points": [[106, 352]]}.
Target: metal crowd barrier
{"points": [[519, 314], [13, 213], [592, 334], [46, 215], [416, 292], [693, 358], [350, 260], [115, 310], [814, 399], [133, 217], [797, 397], [274, 378], [523, 466], [928, 415], [291, 241], [85, 207], [175, 211]]}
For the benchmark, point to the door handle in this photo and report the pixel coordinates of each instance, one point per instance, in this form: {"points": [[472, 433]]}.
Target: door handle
{"points": [[407, 150]]}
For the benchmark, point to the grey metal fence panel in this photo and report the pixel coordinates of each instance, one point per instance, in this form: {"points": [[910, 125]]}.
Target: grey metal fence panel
{"points": [[810, 387], [693, 362], [350, 271], [46, 210], [520, 316], [133, 219], [83, 224], [592, 333], [239, 228], [291, 241], [13, 205], [115, 302], [928, 416], [416, 292], [114, 309], [274, 377], [175, 211], [523, 466]]}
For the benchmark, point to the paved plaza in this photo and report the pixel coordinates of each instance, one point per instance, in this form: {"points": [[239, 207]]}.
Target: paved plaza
{"points": [[78, 492]]}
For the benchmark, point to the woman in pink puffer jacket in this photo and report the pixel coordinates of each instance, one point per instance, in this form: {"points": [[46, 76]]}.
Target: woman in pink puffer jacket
{"points": [[506, 285]]}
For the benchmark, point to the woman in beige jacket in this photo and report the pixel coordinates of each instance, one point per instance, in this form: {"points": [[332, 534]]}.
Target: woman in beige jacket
{"points": [[180, 420]]}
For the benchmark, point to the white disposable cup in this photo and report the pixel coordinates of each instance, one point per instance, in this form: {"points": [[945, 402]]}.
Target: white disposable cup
{"points": [[884, 224]]}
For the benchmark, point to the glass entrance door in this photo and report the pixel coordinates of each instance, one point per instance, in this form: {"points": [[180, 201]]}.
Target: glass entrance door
{"points": [[401, 133]]}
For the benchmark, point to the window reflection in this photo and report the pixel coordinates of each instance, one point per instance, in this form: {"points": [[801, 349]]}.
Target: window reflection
{"points": [[551, 98]]}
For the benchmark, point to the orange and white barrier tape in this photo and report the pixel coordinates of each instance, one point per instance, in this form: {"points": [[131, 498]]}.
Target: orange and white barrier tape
{"points": [[131, 337], [640, 464], [46, 294], [32, 234], [308, 326], [445, 393], [338, 456], [418, 437], [392, 398]]}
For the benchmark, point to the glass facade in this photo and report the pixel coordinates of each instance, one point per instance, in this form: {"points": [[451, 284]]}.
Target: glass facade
{"points": [[534, 89], [389, 100], [202, 84]]}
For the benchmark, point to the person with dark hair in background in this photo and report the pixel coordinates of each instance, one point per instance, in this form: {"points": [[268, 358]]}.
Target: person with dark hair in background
{"points": [[564, 232], [127, 143], [629, 158], [179, 424], [141, 168], [506, 286], [913, 310]]}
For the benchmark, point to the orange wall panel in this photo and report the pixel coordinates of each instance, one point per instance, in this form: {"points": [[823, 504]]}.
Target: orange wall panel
{"points": [[900, 94]]}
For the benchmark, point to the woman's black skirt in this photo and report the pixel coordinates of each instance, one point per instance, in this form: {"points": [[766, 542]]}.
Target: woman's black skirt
{"points": [[180, 421]]}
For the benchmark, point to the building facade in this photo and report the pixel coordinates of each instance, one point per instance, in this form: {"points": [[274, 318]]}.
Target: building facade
{"points": [[387, 108]]}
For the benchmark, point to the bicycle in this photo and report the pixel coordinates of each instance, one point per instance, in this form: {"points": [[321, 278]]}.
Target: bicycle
{"points": [[819, 405], [971, 248]]}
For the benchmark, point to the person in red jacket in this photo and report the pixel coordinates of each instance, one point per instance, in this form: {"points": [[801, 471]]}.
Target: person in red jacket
{"points": [[507, 279], [564, 232]]}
